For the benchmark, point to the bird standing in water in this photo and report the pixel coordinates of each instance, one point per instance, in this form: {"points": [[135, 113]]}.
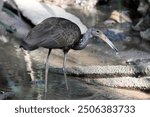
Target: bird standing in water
{"points": [[60, 33]]}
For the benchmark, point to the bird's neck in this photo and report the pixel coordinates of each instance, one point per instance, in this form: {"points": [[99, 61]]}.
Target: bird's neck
{"points": [[83, 42]]}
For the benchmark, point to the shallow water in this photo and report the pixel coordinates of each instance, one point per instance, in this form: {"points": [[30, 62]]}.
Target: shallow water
{"points": [[15, 78]]}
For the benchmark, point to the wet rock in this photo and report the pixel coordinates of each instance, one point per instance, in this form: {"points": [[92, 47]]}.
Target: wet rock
{"points": [[116, 93], [143, 7], [142, 83], [6, 95], [145, 34], [112, 76], [143, 24], [107, 71]]}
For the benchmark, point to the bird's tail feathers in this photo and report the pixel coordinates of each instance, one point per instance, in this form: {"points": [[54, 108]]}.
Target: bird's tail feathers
{"points": [[26, 46]]}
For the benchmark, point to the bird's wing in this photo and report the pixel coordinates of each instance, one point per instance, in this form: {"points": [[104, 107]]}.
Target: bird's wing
{"points": [[52, 33], [38, 31]]}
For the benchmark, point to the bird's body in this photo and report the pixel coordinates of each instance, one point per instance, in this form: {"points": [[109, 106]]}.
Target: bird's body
{"points": [[53, 33], [60, 33]]}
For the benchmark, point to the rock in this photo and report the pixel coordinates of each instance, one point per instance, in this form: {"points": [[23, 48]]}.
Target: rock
{"points": [[37, 12], [143, 24], [112, 76], [115, 34], [143, 7], [6, 95], [106, 71], [3, 39], [1, 5], [119, 17], [11, 23], [10, 5], [59, 2], [110, 22], [87, 3], [145, 34], [132, 6], [124, 82], [137, 26]]}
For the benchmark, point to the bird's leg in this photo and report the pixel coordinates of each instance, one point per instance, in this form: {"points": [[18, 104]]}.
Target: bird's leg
{"points": [[46, 70], [64, 68]]}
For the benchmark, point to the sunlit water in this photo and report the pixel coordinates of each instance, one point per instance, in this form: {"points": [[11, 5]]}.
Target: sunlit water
{"points": [[16, 78]]}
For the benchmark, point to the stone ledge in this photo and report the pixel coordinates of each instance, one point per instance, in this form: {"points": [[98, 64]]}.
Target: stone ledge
{"points": [[106, 71], [129, 76]]}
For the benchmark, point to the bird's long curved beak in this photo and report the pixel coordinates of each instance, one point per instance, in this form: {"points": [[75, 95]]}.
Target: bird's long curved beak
{"points": [[104, 38]]}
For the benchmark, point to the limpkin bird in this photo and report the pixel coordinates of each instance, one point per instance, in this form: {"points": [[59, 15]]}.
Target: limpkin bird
{"points": [[60, 33]]}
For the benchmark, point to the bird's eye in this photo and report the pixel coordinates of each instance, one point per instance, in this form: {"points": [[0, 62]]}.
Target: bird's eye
{"points": [[98, 31]]}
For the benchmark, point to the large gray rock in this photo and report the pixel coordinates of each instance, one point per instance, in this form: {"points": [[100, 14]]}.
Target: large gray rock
{"points": [[37, 12], [121, 76]]}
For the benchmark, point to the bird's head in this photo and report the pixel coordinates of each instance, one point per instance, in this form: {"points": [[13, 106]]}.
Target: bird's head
{"points": [[90, 33], [98, 33]]}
